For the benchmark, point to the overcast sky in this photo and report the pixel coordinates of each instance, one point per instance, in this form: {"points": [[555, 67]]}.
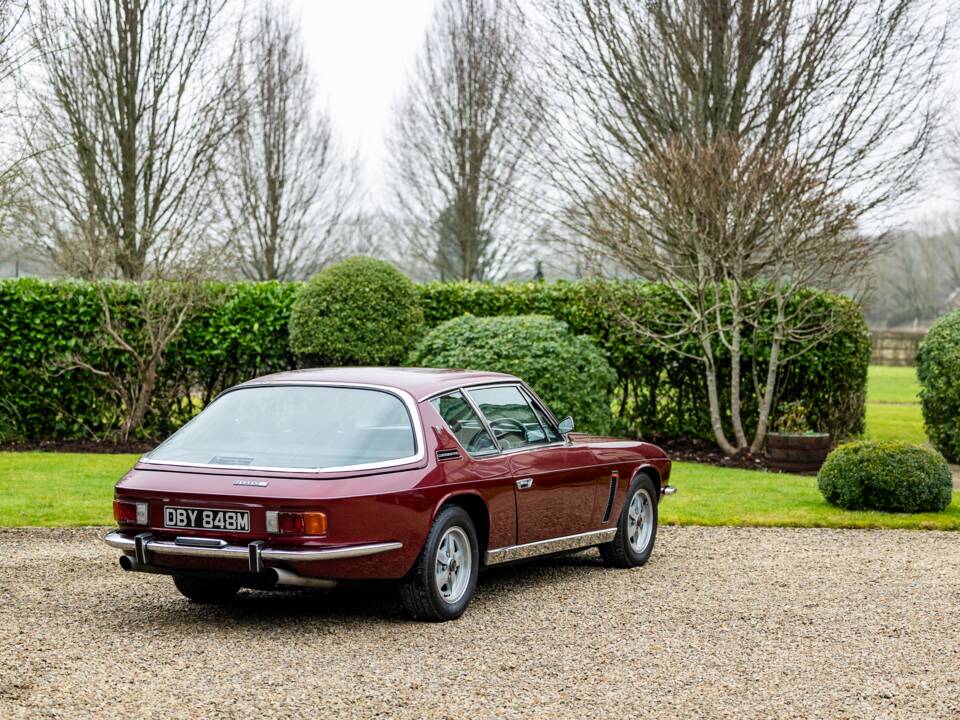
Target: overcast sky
{"points": [[361, 52]]}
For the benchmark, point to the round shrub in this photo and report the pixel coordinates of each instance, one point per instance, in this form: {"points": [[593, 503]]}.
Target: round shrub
{"points": [[568, 371], [938, 369], [361, 311], [888, 476]]}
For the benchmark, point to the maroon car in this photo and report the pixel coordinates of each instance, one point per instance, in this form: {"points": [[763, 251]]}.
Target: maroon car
{"points": [[304, 478]]}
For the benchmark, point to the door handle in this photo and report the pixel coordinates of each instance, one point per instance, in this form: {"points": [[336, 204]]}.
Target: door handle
{"points": [[524, 483]]}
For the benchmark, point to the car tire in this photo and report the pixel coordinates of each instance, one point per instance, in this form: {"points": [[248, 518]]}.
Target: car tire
{"points": [[206, 593], [636, 528], [437, 589]]}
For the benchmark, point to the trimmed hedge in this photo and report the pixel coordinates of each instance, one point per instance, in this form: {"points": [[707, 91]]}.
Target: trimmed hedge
{"points": [[243, 331], [361, 311], [887, 476], [660, 393], [240, 332], [938, 369], [566, 370]]}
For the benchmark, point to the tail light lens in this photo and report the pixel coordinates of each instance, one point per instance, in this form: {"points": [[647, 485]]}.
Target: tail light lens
{"points": [[130, 513], [296, 523]]}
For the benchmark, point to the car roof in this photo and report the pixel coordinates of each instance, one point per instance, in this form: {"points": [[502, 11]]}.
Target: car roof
{"points": [[419, 382]]}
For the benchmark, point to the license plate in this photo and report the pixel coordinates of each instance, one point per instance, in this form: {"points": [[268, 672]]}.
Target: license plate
{"points": [[206, 519]]}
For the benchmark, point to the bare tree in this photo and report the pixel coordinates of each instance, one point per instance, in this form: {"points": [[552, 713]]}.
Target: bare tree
{"points": [[918, 273], [129, 345], [729, 149], [127, 112], [14, 55], [283, 187], [464, 134]]}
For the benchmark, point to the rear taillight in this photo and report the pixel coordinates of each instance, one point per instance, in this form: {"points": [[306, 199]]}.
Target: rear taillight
{"points": [[130, 513], [296, 523]]}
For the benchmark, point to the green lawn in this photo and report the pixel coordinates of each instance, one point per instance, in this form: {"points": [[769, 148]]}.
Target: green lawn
{"points": [[708, 495], [895, 422], [892, 385], [58, 489], [893, 405], [55, 489]]}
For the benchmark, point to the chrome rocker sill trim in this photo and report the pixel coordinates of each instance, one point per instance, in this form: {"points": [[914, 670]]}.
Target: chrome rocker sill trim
{"points": [[242, 552], [545, 547]]}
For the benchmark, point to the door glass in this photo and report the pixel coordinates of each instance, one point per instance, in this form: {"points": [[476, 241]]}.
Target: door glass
{"points": [[510, 416], [464, 423], [553, 435]]}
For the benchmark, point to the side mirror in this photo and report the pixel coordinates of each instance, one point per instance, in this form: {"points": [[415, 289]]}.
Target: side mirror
{"points": [[566, 425]]}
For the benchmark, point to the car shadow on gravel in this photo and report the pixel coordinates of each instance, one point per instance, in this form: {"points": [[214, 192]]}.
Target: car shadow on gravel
{"points": [[363, 602]]}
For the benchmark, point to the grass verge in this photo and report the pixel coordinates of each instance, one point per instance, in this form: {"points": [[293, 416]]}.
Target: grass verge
{"points": [[708, 495], [64, 489], [895, 422], [59, 489], [892, 385]]}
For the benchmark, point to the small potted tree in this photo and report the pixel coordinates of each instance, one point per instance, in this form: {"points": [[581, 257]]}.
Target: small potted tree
{"points": [[793, 446]]}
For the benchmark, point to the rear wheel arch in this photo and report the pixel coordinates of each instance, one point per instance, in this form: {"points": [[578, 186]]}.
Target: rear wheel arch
{"points": [[476, 507]]}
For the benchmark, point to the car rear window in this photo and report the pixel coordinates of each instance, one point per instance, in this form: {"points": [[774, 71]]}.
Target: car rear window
{"points": [[296, 427]]}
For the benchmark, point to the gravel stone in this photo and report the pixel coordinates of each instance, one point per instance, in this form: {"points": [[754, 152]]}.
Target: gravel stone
{"points": [[722, 623]]}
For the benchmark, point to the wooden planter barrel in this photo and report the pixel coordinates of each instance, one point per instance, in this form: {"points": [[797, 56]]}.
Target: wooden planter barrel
{"points": [[794, 452]]}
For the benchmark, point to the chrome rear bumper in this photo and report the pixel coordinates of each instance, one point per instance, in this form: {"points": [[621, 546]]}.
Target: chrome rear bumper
{"points": [[141, 546]]}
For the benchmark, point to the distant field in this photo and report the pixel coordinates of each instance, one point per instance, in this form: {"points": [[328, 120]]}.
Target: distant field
{"points": [[892, 385]]}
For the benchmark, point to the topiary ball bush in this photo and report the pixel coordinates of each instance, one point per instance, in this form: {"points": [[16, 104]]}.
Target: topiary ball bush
{"points": [[938, 369], [568, 371], [888, 476], [360, 311]]}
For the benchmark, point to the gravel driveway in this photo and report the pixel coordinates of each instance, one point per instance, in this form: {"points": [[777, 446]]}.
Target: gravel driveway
{"points": [[723, 622]]}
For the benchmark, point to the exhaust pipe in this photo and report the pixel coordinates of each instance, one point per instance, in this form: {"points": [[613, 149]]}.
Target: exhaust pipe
{"points": [[285, 577], [270, 576]]}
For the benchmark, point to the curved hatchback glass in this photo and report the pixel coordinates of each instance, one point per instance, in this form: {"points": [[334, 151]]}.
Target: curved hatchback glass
{"points": [[296, 427]]}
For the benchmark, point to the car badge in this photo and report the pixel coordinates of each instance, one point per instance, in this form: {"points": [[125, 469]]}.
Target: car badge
{"points": [[251, 483]]}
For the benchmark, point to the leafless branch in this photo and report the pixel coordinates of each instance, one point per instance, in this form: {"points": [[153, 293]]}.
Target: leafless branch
{"points": [[284, 189], [463, 140], [125, 117], [730, 149]]}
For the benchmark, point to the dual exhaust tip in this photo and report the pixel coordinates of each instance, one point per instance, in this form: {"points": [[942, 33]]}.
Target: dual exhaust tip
{"points": [[273, 576]]}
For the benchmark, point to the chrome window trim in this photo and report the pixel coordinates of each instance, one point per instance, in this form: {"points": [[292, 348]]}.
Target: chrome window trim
{"points": [[537, 404], [409, 403], [495, 452], [483, 419], [494, 383], [521, 387]]}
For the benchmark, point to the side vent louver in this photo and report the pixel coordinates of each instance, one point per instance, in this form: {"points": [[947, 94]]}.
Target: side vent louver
{"points": [[449, 454], [614, 477]]}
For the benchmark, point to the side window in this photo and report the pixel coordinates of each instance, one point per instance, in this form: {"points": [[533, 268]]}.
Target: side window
{"points": [[464, 423], [553, 435], [510, 416]]}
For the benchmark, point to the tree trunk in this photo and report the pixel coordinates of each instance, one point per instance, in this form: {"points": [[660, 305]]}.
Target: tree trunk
{"points": [[766, 404], [139, 410], [714, 399], [735, 403]]}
